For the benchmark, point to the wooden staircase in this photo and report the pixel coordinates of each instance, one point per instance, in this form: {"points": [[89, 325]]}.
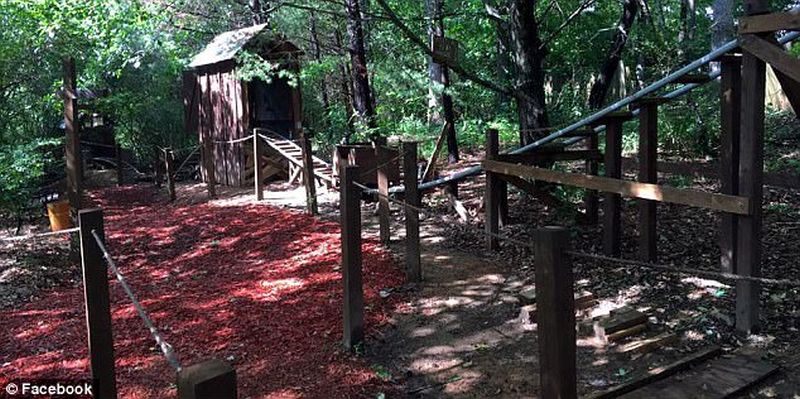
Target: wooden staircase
{"points": [[293, 153]]}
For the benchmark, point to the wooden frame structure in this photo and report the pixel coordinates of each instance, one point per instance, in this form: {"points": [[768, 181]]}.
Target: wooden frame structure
{"points": [[742, 88]]}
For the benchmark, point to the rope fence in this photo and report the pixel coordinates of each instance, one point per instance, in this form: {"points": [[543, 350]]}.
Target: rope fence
{"points": [[165, 347], [237, 141], [40, 235]]}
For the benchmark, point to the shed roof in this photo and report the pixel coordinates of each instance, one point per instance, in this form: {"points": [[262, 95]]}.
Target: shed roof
{"points": [[227, 45]]}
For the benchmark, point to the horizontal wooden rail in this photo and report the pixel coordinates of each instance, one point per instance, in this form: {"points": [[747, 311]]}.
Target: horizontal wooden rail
{"points": [[700, 199], [769, 22], [577, 155]]}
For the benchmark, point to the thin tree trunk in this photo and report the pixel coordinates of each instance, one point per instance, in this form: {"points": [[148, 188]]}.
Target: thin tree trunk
{"points": [[259, 10], [440, 81], [312, 22], [722, 27], [347, 97], [597, 96], [362, 93], [528, 59]]}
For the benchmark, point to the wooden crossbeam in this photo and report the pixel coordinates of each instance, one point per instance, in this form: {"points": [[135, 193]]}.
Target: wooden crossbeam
{"points": [[769, 23], [771, 54], [576, 155], [701, 199]]}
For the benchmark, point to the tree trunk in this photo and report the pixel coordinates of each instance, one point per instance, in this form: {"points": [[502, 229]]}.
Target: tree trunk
{"points": [[440, 81], [259, 10], [347, 97], [722, 27], [362, 93], [528, 60], [316, 48], [597, 96]]}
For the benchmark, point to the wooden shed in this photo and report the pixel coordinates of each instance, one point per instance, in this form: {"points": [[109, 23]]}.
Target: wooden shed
{"points": [[220, 107]]}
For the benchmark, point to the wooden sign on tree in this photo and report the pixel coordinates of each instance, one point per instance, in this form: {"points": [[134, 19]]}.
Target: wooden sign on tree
{"points": [[445, 51]]}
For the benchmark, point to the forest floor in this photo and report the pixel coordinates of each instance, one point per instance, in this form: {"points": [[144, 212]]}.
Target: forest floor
{"points": [[255, 285]]}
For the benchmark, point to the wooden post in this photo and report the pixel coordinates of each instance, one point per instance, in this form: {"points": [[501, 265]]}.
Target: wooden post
{"points": [[208, 165], [751, 174], [382, 155], [412, 258], [730, 114], [73, 140], [157, 175], [212, 379], [556, 318], [257, 179], [648, 173], [492, 194], [120, 172], [96, 298], [612, 203], [350, 213], [169, 159], [308, 173], [591, 199]]}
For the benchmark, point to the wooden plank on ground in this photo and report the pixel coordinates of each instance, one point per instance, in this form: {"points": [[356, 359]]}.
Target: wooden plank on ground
{"points": [[648, 344], [659, 373], [701, 199], [718, 379], [617, 321], [773, 55], [769, 22]]}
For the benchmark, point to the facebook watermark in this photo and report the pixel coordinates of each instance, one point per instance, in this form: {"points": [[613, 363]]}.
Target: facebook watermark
{"points": [[49, 389]]}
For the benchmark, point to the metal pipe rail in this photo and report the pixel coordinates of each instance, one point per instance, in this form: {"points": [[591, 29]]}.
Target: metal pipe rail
{"points": [[652, 88]]}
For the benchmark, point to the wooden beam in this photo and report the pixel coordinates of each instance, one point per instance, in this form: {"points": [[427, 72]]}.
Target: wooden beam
{"points": [[555, 314], [73, 139], [384, 221], [98, 305], [731, 103], [767, 23], [258, 182], [591, 201], [492, 193], [350, 219], [413, 261], [695, 198], [308, 172], [711, 170], [612, 202], [776, 57], [431, 167], [533, 157], [751, 173], [648, 173]]}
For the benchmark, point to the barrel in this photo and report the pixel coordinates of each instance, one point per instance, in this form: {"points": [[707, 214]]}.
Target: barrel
{"points": [[58, 212]]}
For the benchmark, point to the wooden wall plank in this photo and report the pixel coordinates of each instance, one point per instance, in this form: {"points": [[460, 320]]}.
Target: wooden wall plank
{"points": [[696, 198]]}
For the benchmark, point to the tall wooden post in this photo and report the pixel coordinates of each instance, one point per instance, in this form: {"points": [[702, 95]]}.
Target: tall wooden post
{"points": [[308, 173], [412, 197], [384, 221], [612, 203], [73, 140], [169, 161], [258, 182], [591, 200], [556, 319], [96, 298], [648, 173], [212, 379], [492, 194], [751, 177], [350, 213], [730, 123]]}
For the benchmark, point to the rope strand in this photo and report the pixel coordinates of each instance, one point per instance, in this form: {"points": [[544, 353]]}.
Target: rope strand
{"points": [[40, 235]]}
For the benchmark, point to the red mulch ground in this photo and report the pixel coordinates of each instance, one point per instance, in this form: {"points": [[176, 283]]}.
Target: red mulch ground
{"points": [[257, 285]]}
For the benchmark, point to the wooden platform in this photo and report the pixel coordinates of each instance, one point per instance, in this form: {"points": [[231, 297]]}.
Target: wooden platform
{"points": [[716, 379]]}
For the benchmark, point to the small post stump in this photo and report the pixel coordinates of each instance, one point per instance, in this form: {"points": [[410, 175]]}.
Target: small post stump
{"points": [[212, 379], [257, 179], [169, 160], [308, 173]]}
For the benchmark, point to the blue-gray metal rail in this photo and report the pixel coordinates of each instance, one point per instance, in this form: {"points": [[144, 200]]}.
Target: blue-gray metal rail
{"points": [[652, 88]]}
